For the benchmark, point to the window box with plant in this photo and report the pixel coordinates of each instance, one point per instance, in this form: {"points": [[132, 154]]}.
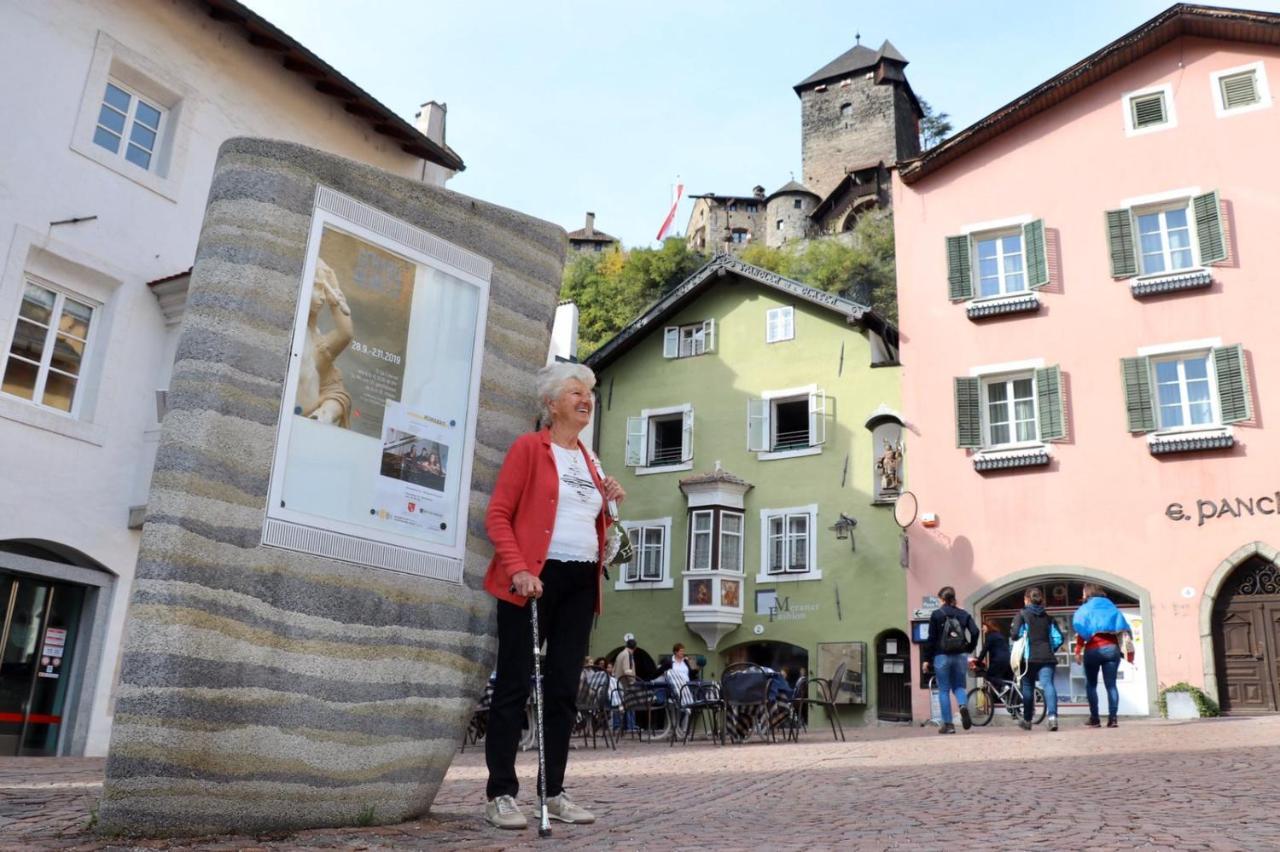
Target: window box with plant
{"points": [[1009, 414], [1185, 396]]}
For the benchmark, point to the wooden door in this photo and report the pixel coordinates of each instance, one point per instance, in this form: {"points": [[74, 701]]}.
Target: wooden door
{"points": [[1245, 675], [893, 677]]}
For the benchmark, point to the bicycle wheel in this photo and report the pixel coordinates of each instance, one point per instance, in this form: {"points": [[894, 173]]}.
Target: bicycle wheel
{"points": [[1038, 710], [981, 704]]}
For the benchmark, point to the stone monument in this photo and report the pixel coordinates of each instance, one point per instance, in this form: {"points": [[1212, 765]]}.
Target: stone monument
{"points": [[281, 671]]}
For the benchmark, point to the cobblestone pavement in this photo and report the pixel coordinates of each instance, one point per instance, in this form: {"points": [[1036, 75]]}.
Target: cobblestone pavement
{"points": [[1147, 785]]}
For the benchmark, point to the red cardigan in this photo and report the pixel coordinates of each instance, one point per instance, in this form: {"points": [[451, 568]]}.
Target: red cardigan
{"points": [[522, 513]]}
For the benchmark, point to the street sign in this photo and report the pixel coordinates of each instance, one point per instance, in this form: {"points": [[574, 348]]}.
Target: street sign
{"points": [[922, 613], [930, 602]]}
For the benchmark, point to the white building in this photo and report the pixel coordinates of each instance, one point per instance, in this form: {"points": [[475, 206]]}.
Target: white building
{"points": [[114, 113]]}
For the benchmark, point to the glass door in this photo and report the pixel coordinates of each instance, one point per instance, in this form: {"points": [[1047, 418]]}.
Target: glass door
{"points": [[37, 639]]}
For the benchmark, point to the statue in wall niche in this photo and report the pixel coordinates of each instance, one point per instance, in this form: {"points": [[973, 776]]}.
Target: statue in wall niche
{"points": [[321, 394], [889, 467]]}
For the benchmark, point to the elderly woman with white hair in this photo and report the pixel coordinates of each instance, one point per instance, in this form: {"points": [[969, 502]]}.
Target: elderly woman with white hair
{"points": [[547, 521]]}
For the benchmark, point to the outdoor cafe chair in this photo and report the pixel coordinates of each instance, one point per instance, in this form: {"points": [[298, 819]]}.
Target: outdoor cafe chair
{"points": [[744, 689], [696, 700], [825, 698], [639, 695], [479, 723], [592, 705]]}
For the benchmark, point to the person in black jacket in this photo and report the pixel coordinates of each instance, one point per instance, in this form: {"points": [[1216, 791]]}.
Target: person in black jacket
{"points": [[995, 653], [952, 637], [1043, 638]]}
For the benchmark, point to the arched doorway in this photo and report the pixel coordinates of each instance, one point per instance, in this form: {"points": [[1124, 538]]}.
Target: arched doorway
{"points": [[1246, 638], [893, 677], [791, 660], [1063, 588], [646, 668]]}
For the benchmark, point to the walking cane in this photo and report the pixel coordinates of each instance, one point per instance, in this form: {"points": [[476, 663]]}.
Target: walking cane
{"points": [[544, 822]]}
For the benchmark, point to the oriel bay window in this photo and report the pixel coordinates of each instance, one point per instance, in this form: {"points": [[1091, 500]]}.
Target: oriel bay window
{"points": [[787, 423], [1166, 243], [1185, 396], [49, 347], [660, 439], [1008, 413], [1002, 264], [715, 540]]}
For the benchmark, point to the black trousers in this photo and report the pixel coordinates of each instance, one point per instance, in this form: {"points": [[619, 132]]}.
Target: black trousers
{"points": [[565, 612]]}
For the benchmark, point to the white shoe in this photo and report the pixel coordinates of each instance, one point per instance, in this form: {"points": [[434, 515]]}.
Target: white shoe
{"points": [[1053, 723], [503, 812], [559, 807]]}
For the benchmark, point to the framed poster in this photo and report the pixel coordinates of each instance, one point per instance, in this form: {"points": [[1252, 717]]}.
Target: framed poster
{"points": [[377, 428], [852, 687]]}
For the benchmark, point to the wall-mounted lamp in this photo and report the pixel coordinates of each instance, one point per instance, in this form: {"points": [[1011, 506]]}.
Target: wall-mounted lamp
{"points": [[843, 529]]}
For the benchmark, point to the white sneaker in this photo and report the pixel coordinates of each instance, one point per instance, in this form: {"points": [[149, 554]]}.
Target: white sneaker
{"points": [[503, 812], [1053, 723], [559, 807]]}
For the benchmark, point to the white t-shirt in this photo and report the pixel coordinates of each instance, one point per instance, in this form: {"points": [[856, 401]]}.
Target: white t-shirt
{"points": [[574, 538], [678, 674]]}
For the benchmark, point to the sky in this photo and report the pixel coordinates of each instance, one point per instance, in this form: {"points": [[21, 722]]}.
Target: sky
{"points": [[559, 107]]}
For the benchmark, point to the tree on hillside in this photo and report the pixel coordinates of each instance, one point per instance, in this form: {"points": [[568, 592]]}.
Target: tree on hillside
{"points": [[614, 287], [861, 268], [934, 126]]}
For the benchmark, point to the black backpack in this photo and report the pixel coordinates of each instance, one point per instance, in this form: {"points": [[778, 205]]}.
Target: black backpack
{"points": [[953, 639]]}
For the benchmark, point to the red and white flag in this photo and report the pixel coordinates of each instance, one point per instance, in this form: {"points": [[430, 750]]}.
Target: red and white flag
{"points": [[671, 214]]}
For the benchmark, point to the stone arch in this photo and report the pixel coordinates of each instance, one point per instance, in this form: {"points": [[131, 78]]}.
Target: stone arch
{"points": [[855, 211], [1009, 582], [1210, 597]]}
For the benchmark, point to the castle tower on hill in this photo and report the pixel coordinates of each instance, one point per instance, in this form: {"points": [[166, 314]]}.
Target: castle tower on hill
{"points": [[856, 111]]}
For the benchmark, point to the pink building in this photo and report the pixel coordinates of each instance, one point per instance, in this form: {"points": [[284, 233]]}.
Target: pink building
{"points": [[1090, 358]]}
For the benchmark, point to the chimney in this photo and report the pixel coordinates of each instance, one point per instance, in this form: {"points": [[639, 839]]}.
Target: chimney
{"points": [[430, 121], [591, 224], [758, 192]]}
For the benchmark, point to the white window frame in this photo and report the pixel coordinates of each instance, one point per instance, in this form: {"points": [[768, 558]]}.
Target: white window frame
{"points": [[694, 532], [1183, 349], [1161, 208], [130, 119], [685, 409], [816, 398], [1259, 70], [160, 86], [814, 572], [666, 581], [999, 235], [87, 367], [701, 337], [784, 318], [1008, 379], [1170, 114], [1215, 413], [1008, 369], [741, 536]]}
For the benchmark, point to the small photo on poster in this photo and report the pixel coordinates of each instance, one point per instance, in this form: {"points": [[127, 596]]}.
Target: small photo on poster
{"points": [[414, 459]]}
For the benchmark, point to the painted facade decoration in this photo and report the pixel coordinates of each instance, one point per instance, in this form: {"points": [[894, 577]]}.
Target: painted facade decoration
{"points": [[1089, 361]]}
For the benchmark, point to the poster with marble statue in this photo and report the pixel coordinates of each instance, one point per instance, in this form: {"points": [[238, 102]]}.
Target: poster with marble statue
{"points": [[375, 450]]}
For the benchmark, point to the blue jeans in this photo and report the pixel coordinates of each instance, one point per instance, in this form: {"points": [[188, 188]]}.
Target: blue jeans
{"points": [[1106, 658], [1041, 673], [952, 671]]}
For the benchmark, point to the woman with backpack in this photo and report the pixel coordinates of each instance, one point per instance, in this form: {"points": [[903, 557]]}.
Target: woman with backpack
{"points": [[1101, 633], [1043, 638], [952, 637]]}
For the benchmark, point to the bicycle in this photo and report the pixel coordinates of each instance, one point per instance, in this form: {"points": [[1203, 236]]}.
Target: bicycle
{"points": [[982, 701]]}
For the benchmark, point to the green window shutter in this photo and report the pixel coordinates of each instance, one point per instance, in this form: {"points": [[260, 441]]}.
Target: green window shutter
{"points": [[1137, 394], [1234, 400], [959, 272], [1124, 258], [968, 412], [1036, 255], [1053, 425], [1209, 233]]}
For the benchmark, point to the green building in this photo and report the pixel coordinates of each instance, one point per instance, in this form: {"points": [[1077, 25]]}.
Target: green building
{"points": [[753, 422]]}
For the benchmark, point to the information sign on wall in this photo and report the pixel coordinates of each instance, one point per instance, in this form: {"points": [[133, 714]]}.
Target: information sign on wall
{"points": [[377, 429]]}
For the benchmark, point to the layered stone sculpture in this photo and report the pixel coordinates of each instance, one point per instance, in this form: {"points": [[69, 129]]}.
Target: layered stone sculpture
{"points": [[265, 689]]}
